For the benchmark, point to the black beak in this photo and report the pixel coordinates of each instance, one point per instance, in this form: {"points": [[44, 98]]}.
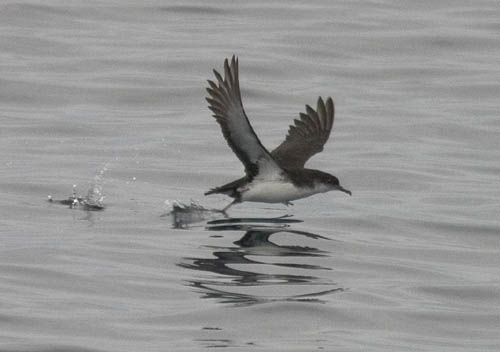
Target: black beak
{"points": [[342, 189]]}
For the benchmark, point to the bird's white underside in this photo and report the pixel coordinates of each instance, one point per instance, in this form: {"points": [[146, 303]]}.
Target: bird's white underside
{"points": [[276, 191]]}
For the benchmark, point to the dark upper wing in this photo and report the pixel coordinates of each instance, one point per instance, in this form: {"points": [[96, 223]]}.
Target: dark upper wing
{"points": [[307, 136], [225, 103]]}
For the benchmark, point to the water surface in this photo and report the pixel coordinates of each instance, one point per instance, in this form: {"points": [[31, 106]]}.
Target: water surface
{"points": [[115, 90]]}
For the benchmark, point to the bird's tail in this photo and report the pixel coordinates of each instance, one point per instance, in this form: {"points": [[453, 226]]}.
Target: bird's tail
{"points": [[230, 189], [222, 190], [212, 191]]}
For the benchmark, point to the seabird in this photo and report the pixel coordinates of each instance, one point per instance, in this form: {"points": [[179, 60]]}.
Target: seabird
{"points": [[278, 176]]}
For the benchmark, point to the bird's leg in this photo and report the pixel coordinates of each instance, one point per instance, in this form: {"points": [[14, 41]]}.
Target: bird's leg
{"points": [[287, 203], [229, 205]]}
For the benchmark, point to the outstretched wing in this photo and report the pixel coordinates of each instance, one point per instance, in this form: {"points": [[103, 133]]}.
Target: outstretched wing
{"points": [[307, 136], [225, 103]]}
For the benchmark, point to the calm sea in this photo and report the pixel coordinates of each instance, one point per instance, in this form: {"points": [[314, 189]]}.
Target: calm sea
{"points": [[108, 96]]}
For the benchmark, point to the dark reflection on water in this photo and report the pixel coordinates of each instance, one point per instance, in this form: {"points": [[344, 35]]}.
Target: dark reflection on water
{"points": [[236, 281]]}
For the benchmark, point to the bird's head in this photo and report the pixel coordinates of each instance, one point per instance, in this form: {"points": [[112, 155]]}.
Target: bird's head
{"points": [[329, 183]]}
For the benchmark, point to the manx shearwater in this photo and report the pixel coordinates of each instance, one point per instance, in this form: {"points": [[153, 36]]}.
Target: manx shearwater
{"points": [[278, 176]]}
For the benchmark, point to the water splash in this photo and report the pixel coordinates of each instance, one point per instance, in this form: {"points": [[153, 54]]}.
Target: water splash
{"points": [[93, 200], [94, 197], [185, 215]]}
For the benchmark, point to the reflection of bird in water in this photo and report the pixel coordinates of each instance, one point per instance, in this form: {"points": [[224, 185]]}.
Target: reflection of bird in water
{"points": [[279, 176], [229, 264]]}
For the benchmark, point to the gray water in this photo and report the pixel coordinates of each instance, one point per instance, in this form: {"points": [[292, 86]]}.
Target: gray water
{"points": [[109, 96]]}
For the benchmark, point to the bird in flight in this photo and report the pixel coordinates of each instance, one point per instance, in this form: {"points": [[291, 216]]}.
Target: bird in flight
{"points": [[270, 177]]}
